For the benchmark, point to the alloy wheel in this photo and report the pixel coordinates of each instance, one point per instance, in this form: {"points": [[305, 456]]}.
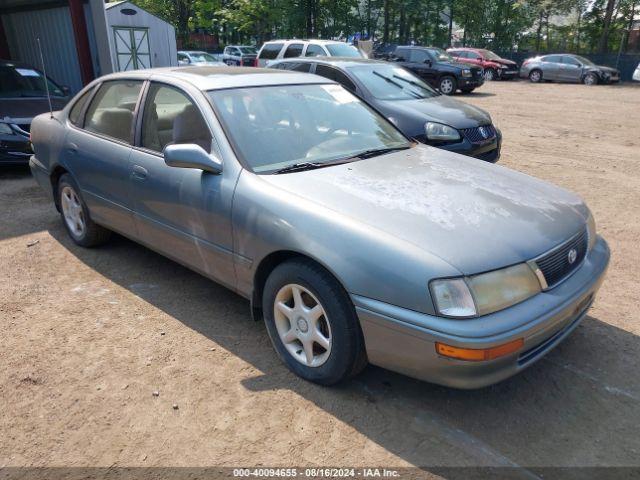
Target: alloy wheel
{"points": [[72, 211], [302, 325], [446, 86]]}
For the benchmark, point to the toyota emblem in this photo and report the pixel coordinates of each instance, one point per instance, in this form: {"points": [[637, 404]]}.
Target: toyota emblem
{"points": [[572, 256]]}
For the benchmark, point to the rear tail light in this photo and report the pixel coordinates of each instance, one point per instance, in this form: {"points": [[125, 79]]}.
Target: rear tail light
{"points": [[255, 62]]}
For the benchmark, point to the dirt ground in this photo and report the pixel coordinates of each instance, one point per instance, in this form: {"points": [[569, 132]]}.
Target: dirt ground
{"points": [[89, 335]]}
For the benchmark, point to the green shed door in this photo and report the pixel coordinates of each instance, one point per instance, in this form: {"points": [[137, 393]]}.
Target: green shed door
{"points": [[132, 48]]}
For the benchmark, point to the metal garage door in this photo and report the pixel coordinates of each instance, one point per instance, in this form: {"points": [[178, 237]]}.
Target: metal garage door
{"points": [[132, 48]]}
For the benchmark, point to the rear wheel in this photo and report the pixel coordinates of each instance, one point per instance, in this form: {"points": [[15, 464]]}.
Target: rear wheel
{"points": [[448, 85], [312, 323], [535, 76], [75, 215], [590, 79]]}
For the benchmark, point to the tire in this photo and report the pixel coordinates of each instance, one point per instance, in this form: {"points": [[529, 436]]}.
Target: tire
{"points": [[447, 85], [490, 74], [467, 90], [535, 76], [75, 215], [590, 79], [289, 325]]}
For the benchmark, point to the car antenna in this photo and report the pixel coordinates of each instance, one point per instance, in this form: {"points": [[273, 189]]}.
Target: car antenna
{"points": [[46, 81]]}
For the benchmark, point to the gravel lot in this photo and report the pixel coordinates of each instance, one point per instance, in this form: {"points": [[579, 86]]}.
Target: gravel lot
{"points": [[89, 335]]}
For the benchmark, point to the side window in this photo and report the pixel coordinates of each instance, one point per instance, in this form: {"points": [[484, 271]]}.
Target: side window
{"points": [[402, 54], [270, 51], [326, 72], [294, 50], [419, 56], [170, 117], [336, 75], [302, 67], [570, 61], [552, 59], [473, 55], [76, 110], [456, 53], [314, 51], [111, 110]]}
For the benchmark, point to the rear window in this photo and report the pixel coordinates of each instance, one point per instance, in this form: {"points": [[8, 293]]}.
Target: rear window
{"points": [[270, 51]]}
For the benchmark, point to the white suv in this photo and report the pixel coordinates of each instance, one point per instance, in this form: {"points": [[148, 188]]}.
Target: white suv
{"points": [[279, 49], [636, 74]]}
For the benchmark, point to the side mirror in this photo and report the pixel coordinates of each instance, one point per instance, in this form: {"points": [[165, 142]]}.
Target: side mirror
{"points": [[190, 155], [427, 62], [66, 90]]}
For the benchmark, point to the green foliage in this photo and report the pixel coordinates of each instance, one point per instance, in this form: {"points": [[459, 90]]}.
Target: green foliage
{"points": [[502, 25]]}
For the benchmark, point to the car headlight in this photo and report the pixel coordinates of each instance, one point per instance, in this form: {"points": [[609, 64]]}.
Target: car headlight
{"points": [[591, 231], [441, 132], [466, 72], [484, 293], [6, 129]]}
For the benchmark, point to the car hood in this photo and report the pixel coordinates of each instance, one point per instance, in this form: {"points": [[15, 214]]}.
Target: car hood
{"points": [[27, 108], [602, 68], [474, 215], [505, 62], [441, 109]]}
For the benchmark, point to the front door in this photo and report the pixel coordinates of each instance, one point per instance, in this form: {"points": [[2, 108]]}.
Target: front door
{"points": [[571, 70], [132, 48], [184, 213]]}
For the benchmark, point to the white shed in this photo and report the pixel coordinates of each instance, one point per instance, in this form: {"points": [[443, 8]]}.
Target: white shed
{"points": [[138, 39]]}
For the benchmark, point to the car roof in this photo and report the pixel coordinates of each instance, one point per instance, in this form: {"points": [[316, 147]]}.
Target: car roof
{"points": [[218, 78], [338, 61], [301, 40]]}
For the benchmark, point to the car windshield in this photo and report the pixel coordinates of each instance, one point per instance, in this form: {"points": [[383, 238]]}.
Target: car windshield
{"points": [[390, 82], [25, 82], [584, 61], [281, 126], [343, 50], [202, 57], [248, 50], [490, 55], [441, 55]]}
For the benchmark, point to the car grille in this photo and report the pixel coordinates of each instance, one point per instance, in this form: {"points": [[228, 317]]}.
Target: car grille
{"points": [[479, 134], [555, 265]]}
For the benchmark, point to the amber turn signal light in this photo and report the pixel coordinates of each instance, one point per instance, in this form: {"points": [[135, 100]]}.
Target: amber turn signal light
{"points": [[479, 354]]}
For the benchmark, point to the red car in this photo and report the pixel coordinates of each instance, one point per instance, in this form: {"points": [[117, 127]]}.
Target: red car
{"points": [[495, 67]]}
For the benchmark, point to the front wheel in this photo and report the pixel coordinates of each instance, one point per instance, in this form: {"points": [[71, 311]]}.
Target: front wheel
{"points": [[590, 79], [75, 215], [490, 74], [448, 85], [312, 323]]}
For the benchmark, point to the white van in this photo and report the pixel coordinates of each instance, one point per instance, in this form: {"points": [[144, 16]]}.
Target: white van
{"points": [[636, 74], [279, 49]]}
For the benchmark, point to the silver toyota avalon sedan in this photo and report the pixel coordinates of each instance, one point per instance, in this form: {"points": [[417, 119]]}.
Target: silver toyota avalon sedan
{"points": [[353, 243]]}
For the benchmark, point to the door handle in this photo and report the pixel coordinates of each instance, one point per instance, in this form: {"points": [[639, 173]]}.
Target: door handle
{"points": [[138, 172], [72, 148]]}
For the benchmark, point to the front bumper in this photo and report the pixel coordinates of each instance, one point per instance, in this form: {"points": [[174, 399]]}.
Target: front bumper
{"points": [[404, 340], [470, 82]]}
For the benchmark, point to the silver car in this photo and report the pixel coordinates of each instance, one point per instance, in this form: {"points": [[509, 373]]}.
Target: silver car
{"points": [[567, 68], [353, 243]]}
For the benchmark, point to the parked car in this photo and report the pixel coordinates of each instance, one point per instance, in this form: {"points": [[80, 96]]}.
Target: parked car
{"points": [[567, 68], [279, 49], [23, 95], [414, 107], [439, 69], [383, 51], [636, 74], [188, 57], [240, 55], [494, 66], [355, 243]]}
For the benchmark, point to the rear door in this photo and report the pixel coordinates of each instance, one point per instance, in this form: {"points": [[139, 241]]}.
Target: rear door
{"points": [[181, 212], [551, 65], [97, 151]]}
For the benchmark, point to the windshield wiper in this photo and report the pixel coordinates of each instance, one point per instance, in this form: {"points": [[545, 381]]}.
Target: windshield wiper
{"points": [[298, 167], [375, 152], [393, 82]]}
